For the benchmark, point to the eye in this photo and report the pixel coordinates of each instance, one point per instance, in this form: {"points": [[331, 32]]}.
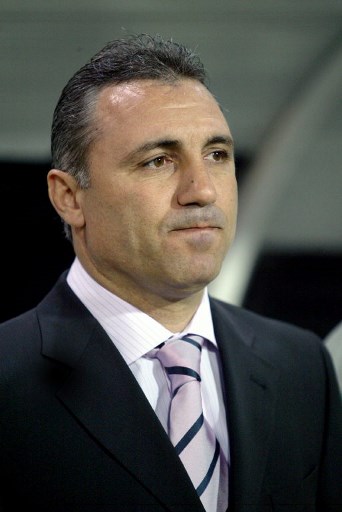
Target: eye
{"points": [[219, 155], [158, 162]]}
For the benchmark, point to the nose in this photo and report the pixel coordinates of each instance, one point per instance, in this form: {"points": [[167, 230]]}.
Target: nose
{"points": [[196, 186]]}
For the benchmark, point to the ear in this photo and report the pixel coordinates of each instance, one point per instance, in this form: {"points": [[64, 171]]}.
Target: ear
{"points": [[64, 196]]}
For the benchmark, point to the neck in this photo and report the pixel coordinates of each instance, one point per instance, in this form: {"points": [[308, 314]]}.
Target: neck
{"points": [[174, 315], [172, 308]]}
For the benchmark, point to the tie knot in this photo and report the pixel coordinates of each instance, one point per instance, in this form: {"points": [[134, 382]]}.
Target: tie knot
{"points": [[181, 359]]}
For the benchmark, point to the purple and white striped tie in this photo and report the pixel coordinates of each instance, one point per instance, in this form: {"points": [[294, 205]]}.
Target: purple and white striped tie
{"points": [[193, 438]]}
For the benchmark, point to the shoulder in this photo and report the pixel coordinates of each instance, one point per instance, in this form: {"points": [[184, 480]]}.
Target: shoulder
{"points": [[298, 355], [260, 325], [20, 349], [273, 340], [22, 334], [19, 327]]}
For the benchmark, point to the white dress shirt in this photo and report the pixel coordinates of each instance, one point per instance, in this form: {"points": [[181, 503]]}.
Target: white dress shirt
{"points": [[134, 334]]}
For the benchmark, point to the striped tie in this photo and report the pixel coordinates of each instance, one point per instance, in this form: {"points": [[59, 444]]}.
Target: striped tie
{"points": [[194, 440]]}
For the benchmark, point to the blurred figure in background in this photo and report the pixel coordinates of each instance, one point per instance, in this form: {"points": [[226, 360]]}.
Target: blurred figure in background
{"points": [[333, 342]]}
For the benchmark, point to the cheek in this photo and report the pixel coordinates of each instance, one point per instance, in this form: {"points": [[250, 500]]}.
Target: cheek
{"points": [[103, 216], [234, 198], [228, 195], [131, 214], [228, 202]]}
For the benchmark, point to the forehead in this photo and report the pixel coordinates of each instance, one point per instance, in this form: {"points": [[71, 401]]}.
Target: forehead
{"points": [[148, 106]]}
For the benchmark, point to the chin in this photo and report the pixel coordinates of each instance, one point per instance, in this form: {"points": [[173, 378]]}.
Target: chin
{"points": [[191, 274], [194, 282]]}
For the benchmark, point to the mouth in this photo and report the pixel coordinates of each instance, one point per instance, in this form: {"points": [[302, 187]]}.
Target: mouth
{"points": [[201, 221], [198, 232], [197, 228]]}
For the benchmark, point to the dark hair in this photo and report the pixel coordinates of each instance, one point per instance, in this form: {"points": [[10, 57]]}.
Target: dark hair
{"points": [[138, 57]]}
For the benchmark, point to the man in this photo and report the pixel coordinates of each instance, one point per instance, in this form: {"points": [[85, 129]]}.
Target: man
{"points": [[143, 179]]}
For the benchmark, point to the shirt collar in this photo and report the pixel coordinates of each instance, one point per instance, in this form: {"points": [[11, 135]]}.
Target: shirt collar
{"points": [[133, 332]]}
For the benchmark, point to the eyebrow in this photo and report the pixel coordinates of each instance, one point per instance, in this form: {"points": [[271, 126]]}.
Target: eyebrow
{"points": [[227, 140], [175, 143]]}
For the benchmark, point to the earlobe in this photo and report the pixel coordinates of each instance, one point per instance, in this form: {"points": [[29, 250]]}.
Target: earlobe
{"points": [[63, 194]]}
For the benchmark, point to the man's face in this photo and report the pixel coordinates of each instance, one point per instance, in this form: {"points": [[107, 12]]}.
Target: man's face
{"points": [[160, 211]]}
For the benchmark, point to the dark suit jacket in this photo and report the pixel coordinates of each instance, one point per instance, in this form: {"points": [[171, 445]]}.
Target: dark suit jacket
{"points": [[77, 433]]}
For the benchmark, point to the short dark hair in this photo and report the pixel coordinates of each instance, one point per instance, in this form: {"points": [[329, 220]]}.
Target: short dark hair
{"points": [[139, 57]]}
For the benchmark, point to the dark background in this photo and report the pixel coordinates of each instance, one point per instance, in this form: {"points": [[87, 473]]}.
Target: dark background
{"points": [[34, 249]]}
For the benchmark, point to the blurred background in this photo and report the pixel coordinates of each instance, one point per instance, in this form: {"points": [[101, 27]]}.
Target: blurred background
{"points": [[275, 66]]}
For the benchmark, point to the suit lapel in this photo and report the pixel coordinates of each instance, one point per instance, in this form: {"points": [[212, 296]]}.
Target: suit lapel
{"points": [[103, 395], [250, 386]]}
